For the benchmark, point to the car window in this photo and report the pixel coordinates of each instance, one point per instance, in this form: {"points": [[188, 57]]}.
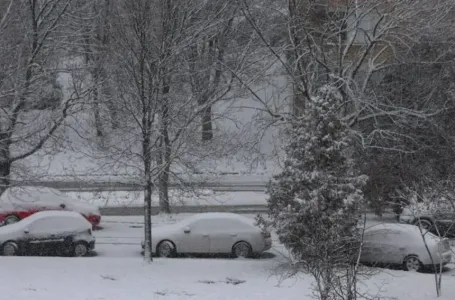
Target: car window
{"points": [[199, 225], [44, 225], [383, 236], [227, 225], [68, 224]]}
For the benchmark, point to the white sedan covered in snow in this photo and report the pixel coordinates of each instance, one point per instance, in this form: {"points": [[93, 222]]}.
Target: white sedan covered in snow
{"points": [[403, 244], [214, 233], [48, 232]]}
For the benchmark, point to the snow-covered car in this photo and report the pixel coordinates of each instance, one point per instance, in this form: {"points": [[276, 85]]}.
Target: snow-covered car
{"points": [[437, 217], [403, 244], [17, 203], [48, 232], [214, 233]]}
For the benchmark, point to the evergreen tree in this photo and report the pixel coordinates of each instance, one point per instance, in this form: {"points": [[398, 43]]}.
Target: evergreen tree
{"points": [[314, 203]]}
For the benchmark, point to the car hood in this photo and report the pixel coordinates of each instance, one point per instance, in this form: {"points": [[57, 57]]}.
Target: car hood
{"points": [[12, 231]]}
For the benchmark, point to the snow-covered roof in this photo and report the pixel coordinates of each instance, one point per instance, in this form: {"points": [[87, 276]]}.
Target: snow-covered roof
{"points": [[218, 215], [29, 197], [24, 223], [54, 213]]}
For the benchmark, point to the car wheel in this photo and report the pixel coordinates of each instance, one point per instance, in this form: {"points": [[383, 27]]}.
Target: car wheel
{"points": [[10, 249], [80, 249], [11, 219], [165, 249], [242, 250], [412, 263]]}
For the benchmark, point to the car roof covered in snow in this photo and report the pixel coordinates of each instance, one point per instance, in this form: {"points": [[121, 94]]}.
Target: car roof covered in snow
{"points": [[411, 232], [29, 197], [77, 220], [55, 213], [393, 227], [218, 215]]}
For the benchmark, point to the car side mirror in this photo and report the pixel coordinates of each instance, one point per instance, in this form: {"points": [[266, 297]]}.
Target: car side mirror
{"points": [[26, 231], [186, 230], [63, 205]]}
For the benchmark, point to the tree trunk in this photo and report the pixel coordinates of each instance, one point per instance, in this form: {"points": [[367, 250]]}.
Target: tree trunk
{"points": [[5, 163], [148, 220], [164, 191], [207, 129], [110, 105], [5, 171], [96, 106], [147, 198], [165, 155]]}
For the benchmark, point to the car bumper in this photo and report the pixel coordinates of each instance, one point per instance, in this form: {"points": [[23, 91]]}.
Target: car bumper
{"points": [[268, 244], [91, 245], [445, 258]]}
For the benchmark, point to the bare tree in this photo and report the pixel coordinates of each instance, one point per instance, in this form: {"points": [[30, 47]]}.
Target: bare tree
{"points": [[31, 41], [355, 46], [158, 118]]}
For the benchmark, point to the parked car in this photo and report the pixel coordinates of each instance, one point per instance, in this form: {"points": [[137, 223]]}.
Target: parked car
{"points": [[17, 203], [48, 232], [403, 244], [214, 233], [436, 217]]}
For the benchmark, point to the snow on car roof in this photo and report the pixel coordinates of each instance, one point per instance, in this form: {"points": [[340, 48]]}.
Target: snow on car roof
{"points": [[407, 229], [218, 215], [30, 194], [28, 197], [43, 215], [394, 227], [55, 213]]}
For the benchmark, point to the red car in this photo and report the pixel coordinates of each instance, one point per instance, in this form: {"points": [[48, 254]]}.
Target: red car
{"points": [[17, 203]]}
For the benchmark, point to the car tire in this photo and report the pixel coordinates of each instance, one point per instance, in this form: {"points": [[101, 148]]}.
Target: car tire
{"points": [[165, 249], [11, 220], [425, 224], [80, 249], [242, 250], [10, 249], [412, 263]]}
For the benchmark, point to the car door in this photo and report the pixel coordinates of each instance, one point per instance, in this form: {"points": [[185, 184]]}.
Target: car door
{"points": [[380, 246], [371, 252], [195, 238], [43, 235], [390, 246], [224, 233]]}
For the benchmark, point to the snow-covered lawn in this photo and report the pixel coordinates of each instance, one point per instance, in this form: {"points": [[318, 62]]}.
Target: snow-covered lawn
{"points": [[117, 272], [201, 197], [129, 278]]}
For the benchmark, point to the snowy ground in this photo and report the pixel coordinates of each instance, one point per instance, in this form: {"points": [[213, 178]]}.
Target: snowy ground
{"points": [[117, 272]]}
